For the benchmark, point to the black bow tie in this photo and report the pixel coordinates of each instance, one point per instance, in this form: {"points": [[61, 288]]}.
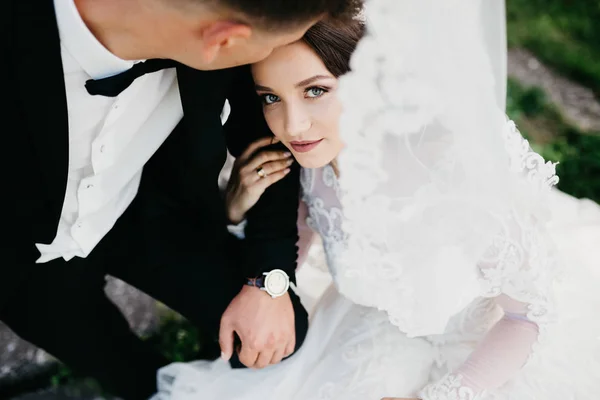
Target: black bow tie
{"points": [[114, 85]]}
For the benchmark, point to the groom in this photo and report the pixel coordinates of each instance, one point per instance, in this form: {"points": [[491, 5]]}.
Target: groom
{"points": [[119, 176]]}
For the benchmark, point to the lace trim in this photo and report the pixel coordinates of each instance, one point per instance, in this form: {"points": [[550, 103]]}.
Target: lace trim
{"points": [[308, 178], [522, 269], [307, 182], [525, 160], [450, 388], [525, 271], [324, 217]]}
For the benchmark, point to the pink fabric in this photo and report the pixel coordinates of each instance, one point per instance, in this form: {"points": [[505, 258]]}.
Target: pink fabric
{"points": [[503, 351]]}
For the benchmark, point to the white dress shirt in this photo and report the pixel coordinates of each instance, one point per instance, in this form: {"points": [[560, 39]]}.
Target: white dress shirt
{"points": [[110, 139]]}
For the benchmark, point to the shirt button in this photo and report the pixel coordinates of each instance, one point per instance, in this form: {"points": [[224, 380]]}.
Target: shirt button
{"points": [[102, 149], [89, 186]]}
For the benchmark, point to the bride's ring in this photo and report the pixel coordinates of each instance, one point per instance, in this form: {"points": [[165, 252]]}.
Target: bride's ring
{"points": [[261, 172]]}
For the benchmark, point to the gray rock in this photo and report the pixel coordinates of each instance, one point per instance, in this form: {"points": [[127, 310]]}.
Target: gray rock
{"points": [[140, 309]]}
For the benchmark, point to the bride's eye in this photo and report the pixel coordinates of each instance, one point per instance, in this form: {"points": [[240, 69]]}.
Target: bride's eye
{"points": [[269, 98], [315, 91]]}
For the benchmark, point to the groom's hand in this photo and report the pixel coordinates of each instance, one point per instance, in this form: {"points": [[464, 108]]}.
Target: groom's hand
{"points": [[266, 327]]}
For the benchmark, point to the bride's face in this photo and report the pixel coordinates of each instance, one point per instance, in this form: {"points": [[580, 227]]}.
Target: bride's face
{"points": [[300, 103]]}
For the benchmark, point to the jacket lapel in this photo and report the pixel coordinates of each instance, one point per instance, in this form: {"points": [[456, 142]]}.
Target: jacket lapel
{"points": [[42, 96]]}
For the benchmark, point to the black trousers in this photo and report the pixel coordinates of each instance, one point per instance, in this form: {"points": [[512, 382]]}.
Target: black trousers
{"points": [[61, 306]]}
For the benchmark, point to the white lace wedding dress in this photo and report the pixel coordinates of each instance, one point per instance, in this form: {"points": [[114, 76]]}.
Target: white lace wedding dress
{"points": [[353, 352], [450, 279]]}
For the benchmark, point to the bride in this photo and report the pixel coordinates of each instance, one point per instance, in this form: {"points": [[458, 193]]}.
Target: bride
{"points": [[458, 272]]}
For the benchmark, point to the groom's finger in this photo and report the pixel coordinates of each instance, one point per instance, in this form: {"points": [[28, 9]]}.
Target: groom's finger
{"points": [[289, 350], [226, 340], [277, 357], [264, 359], [248, 356]]}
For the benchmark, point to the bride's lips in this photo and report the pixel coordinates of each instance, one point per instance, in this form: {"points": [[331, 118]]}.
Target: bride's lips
{"points": [[304, 146]]}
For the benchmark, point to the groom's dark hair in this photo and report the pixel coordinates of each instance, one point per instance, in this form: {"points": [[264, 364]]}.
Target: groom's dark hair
{"points": [[273, 15]]}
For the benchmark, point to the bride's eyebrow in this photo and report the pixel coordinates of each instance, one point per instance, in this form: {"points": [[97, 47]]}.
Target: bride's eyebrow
{"points": [[305, 82], [312, 79], [260, 88]]}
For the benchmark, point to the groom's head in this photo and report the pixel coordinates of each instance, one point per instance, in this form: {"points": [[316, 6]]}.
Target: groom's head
{"points": [[213, 34]]}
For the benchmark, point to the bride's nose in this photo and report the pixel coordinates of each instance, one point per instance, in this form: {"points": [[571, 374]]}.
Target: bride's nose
{"points": [[297, 120]]}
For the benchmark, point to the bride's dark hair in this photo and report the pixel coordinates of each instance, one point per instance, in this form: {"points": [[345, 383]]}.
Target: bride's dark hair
{"points": [[334, 42]]}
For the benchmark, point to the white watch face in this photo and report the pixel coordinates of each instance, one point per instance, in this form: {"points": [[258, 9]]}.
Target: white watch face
{"points": [[277, 283]]}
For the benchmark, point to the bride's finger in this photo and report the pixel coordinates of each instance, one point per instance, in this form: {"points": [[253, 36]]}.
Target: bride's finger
{"points": [[263, 158], [254, 146], [271, 167], [263, 183]]}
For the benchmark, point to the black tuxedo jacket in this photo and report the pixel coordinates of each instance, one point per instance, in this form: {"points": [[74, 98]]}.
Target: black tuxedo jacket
{"points": [[179, 183]]}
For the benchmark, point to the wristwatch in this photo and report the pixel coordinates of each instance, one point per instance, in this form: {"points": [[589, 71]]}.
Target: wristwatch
{"points": [[276, 282]]}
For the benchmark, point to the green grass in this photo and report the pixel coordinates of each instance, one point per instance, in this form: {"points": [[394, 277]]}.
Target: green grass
{"points": [[177, 339], [564, 34], [578, 153]]}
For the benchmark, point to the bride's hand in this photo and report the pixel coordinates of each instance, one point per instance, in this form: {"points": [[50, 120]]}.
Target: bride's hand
{"points": [[253, 172]]}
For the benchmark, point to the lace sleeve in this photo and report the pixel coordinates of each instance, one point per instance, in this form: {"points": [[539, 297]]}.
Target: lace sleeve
{"points": [[515, 271], [497, 358], [518, 271]]}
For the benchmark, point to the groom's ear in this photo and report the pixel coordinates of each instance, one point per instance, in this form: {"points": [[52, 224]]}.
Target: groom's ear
{"points": [[220, 35]]}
